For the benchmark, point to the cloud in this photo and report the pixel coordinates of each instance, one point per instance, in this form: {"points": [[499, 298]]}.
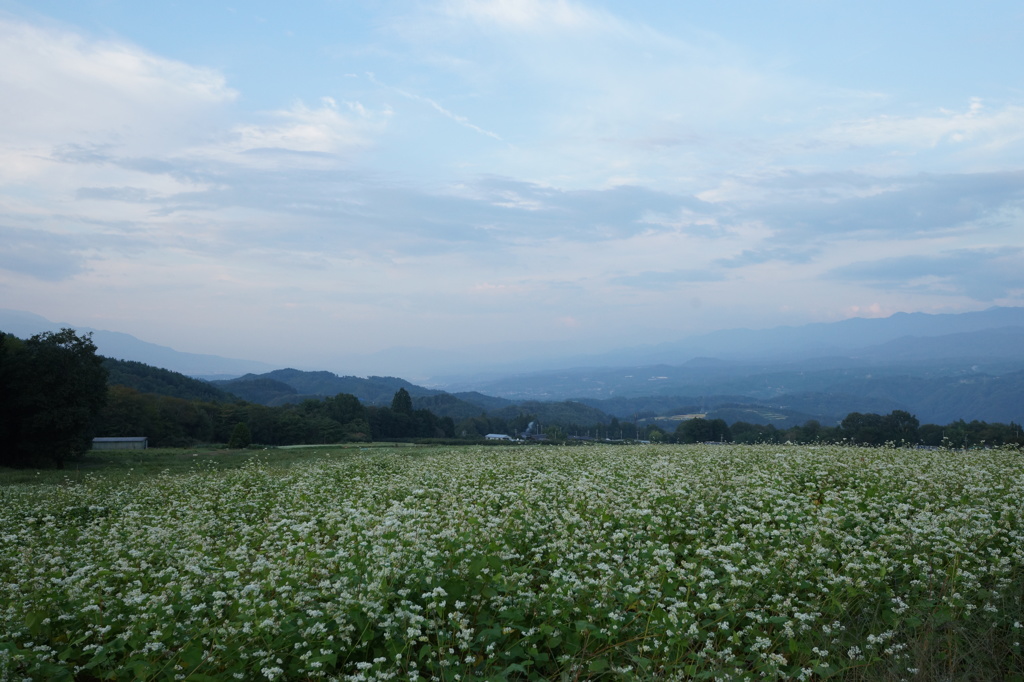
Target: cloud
{"points": [[107, 121], [585, 98], [340, 209], [461, 120], [129, 194], [43, 255], [918, 206], [981, 274], [60, 87], [662, 280], [541, 156], [976, 124], [531, 15], [302, 129], [768, 254]]}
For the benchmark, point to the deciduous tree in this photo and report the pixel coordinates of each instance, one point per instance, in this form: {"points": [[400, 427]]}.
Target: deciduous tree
{"points": [[54, 385]]}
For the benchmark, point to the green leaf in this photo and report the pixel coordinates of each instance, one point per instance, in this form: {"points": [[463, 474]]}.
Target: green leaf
{"points": [[142, 669], [476, 565], [34, 621], [96, 660], [191, 656], [585, 626]]}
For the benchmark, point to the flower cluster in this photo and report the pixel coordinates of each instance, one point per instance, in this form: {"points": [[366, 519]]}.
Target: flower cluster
{"points": [[735, 562]]}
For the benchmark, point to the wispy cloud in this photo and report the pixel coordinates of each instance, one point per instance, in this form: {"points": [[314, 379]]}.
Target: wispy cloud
{"points": [[461, 120], [532, 15], [325, 129], [975, 125]]}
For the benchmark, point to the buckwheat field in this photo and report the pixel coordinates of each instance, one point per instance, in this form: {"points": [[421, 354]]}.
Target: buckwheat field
{"points": [[617, 562]]}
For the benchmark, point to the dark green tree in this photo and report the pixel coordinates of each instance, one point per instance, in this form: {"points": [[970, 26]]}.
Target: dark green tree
{"points": [[745, 432], [402, 402], [240, 437], [901, 428], [863, 429], [55, 386], [345, 407], [656, 435], [703, 431], [897, 427]]}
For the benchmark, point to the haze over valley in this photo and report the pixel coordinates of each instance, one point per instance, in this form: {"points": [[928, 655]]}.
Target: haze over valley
{"points": [[941, 368]]}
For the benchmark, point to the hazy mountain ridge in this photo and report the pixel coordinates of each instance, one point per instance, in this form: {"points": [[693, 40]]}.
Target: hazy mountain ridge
{"points": [[939, 367], [295, 385], [818, 339], [123, 346]]}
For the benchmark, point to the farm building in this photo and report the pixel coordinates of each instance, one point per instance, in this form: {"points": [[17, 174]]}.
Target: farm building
{"points": [[497, 436], [130, 443]]}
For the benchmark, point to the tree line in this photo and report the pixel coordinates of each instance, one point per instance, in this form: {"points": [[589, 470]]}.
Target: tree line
{"points": [[898, 428], [52, 388], [56, 397]]}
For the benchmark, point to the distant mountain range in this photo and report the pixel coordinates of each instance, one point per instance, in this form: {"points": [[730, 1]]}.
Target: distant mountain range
{"points": [[126, 347], [845, 338], [994, 352], [938, 367]]}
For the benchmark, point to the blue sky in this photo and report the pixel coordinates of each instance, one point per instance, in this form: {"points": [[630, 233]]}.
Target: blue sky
{"points": [[314, 183]]}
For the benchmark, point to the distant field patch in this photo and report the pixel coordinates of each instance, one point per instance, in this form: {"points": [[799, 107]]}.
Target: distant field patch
{"points": [[682, 417], [617, 562]]}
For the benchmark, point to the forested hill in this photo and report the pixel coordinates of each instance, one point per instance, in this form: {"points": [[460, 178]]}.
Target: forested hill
{"points": [[783, 396], [284, 386], [291, 387], [148, 379]]}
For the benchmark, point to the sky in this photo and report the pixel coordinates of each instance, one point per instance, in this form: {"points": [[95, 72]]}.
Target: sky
{"points": [[322, 184]]}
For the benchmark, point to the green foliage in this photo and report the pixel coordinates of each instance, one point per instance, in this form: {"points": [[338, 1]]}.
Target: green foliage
{"points": [[54, 387], [258, 390], [284, 384], [703, 431], [897, 428], [240, 437], [148, 379], [170, 420], [555, 434], [747, 433], [448, 405], [566, 413], [961, 434], [401, 403], [388, 424]]}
